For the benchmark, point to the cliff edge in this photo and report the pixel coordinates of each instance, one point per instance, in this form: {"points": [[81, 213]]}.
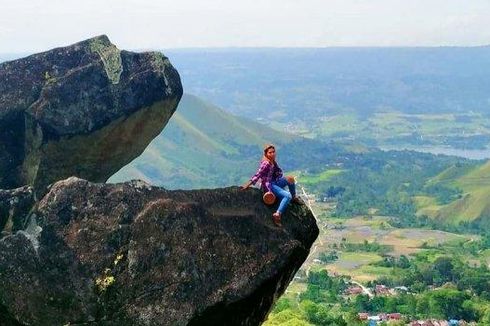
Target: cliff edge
{"points": [[77, 251]]}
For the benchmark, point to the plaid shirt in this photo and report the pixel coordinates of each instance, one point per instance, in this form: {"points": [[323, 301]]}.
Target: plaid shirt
{"points": [[268, 173]]}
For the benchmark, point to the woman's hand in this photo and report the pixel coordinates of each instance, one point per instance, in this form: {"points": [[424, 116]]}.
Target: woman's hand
{"points": [[246, 185]]}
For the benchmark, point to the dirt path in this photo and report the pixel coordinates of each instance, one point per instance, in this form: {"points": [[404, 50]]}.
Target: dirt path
{"points": [[365, 290]]}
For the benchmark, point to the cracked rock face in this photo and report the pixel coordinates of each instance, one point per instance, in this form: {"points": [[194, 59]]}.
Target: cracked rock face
{"points": [[134, 254], [86, 110]]}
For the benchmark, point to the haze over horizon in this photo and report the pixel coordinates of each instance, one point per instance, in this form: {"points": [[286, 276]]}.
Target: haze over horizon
{"points": [[31, 27]]}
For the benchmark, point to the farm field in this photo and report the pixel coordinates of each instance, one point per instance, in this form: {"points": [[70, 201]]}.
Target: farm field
{"points": [[394, 128], [373, 229]]}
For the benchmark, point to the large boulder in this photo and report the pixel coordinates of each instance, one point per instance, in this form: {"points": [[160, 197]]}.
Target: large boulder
{"points": [[133, 254], [86, 110]]}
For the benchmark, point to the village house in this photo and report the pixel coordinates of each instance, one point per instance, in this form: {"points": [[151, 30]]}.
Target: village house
{"points": [[401, 289], [380, 317], [435, 322], [395, 316], [381, 289], [353, 290], [363, 316]]}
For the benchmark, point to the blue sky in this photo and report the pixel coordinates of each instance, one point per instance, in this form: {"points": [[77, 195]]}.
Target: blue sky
{"points": [[36, 25]]}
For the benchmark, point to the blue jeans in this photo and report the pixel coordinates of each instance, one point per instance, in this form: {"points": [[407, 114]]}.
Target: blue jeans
{"points": [[285, 196]]}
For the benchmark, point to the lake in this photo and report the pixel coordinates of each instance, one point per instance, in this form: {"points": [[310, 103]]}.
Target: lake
{"points": [[474, 154]]}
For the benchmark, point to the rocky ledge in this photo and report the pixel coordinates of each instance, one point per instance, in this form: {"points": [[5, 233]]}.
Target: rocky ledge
{"points": [[134, 254]]}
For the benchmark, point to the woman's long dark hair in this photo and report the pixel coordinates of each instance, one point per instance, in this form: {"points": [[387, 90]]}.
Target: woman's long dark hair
{"points": [[266, 148]]}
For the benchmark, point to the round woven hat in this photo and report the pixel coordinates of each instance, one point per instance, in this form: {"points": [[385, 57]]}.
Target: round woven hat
{"points": [[269, 198]]}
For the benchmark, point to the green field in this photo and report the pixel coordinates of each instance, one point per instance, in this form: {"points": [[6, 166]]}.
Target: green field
{"points": [[312, 179], [359, 265], [393, 127]]}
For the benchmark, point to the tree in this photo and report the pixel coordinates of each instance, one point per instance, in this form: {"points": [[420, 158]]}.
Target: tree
{"points": [[361, 303], [445, 267], [286, 317], [448, 303], [319, 315], [328, 257], [282, 304], [403, 262]]}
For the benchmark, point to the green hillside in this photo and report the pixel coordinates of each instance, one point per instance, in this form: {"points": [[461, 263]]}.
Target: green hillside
{"points": [[203, 146], [472, 203]]}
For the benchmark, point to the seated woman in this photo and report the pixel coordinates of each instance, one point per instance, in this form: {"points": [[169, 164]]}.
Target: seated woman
{"points": [[273, 180]]}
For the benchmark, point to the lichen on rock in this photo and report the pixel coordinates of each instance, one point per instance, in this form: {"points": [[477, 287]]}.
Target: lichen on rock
{"points": [[110, 56]]}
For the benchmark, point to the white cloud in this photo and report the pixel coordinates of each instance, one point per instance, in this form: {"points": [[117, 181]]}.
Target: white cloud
{"points": [[5, 30], [28, 25]]}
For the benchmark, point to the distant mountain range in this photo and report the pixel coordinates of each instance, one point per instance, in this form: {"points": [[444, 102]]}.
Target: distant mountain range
{"points": [[285, 84], [438, 96], [11, 56]]}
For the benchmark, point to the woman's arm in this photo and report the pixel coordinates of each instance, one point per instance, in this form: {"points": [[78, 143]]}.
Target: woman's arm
{"points": [[261, 173], [246, 185]]}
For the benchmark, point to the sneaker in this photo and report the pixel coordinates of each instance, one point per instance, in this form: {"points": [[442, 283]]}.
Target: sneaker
{"points": [[276, 218]]}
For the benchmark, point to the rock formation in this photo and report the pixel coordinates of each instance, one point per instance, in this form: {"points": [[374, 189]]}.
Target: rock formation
{"points": [[86, 109], [128, 253], [134, 254]]}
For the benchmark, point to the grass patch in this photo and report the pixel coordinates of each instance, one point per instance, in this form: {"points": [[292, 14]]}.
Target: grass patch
{"points": [[424, 202], [376, 271], [312, 179]]}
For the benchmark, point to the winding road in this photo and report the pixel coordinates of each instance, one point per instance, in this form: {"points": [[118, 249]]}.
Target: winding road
{"points": [[317, 243]]}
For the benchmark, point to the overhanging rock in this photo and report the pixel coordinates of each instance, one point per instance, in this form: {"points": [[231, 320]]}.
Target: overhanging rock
{"points": [[86, 110]]}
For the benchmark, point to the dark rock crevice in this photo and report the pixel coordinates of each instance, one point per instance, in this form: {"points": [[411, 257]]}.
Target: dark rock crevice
{"points": [[15, 205], [12, 138]]}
